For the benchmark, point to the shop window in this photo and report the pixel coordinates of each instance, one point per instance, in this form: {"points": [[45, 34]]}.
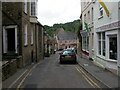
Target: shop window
{"points": [[101, 43], [113, 48]]}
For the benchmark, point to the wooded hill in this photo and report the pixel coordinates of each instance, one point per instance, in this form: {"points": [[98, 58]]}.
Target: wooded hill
{"points": [[69, 26]]}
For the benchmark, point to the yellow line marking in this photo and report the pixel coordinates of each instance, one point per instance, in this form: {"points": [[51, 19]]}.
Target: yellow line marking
{"points": [[82, 72], [90, 78], [28, 74], [85, 78]]}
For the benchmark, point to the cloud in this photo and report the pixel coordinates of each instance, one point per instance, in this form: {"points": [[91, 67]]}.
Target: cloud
{"points": [[58, 11]]}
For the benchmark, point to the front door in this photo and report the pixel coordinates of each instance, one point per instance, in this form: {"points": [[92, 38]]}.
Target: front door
{"points": [[10, 39]]}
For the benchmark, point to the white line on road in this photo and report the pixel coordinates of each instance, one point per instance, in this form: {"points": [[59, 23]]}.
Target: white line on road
{"points": [[17, 79]]}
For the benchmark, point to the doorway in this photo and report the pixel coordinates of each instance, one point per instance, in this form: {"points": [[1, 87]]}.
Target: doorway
{"points": [[10, 39]]}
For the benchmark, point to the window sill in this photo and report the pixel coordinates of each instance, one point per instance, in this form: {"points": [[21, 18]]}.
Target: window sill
{"points": [[100, 17], [25, 13], [101, 57], [110, 60], [25, 45]]}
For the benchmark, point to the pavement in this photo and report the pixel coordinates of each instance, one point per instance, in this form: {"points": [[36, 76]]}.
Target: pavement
{"points": [[104, 76]]}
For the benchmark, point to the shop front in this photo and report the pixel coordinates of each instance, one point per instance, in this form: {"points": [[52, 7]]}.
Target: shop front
{"points": [[108, 46]]}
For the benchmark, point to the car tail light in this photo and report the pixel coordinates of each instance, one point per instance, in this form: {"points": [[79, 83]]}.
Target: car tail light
{"points": [[61, 55], [74, 55]]}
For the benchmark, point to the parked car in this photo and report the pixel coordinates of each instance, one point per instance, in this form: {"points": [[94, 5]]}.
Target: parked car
{"points": [[68, 55]]}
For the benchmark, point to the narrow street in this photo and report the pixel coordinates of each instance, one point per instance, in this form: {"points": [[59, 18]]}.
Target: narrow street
{"points": [[49, 73]]}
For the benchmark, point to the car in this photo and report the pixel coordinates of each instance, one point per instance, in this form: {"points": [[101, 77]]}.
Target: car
{"points": [[68, 55]]}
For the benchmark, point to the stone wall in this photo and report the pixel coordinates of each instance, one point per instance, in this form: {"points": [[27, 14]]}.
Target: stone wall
{"points": [[9, 68]]}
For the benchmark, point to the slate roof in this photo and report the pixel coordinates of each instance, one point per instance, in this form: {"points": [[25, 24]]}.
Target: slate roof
{"points": [[63, 35]]}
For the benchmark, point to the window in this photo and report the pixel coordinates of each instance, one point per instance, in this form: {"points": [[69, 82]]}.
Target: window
{"points": [[25, 35], [85, 43], [60, 42], [85, 18], [31, 35], [88, 16], [92, 15], [101, 43], [113, 48], [33, 8], [101, 10], [25, 6]]}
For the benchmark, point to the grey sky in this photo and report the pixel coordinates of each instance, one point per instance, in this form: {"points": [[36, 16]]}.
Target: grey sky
{"points": [[58, 11]]}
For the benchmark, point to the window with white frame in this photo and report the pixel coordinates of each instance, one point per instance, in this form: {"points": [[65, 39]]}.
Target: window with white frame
{"points": [[92, 15], [113, 48], [101, 43], [101, 10], [31, 35], [25, 35], [25, 6], [85, 18], [88, 16], [33, 11], [85, 43]]}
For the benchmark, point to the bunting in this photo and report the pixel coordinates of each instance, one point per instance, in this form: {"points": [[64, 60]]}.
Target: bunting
{"points": [[105, 8], [86, 26]]}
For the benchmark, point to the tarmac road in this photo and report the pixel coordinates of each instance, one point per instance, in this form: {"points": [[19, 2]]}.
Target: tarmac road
{"points": [[49, 73]]}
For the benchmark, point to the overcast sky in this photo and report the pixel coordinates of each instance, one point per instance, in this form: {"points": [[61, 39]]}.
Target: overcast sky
{"points": [[58, 11]]}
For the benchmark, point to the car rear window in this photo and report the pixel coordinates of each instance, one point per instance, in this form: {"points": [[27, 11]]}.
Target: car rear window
{"points": [[68, 52]]}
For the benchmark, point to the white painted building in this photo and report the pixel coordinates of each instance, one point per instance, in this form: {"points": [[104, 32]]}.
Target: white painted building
{"points": [[107, 36], [87, 35]]}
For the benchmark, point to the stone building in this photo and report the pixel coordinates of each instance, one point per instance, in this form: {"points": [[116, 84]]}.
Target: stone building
{"points": [[22, 34], [39, 40], [0, 29]]}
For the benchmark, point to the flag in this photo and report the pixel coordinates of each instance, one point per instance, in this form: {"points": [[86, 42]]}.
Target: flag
{"points": [[105, 8], [86, 26]]}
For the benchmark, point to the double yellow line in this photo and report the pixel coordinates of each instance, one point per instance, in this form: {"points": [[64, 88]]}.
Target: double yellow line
{"points": [[28, 74], [87, 78]]}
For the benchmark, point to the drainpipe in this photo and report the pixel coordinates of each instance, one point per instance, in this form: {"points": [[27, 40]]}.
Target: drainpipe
{"points": [[36, 37], [0, 44]]}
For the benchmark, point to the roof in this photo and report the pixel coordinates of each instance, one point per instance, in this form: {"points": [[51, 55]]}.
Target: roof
{"points": [[66, 35]]}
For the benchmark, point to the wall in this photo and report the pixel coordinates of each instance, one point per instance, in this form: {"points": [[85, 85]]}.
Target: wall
{"points": [[104, 61], [0, 45], [87, 7], [0, 31]]}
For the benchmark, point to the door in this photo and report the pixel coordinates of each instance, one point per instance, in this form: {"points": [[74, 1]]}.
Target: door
{"points": [[10, 39]]}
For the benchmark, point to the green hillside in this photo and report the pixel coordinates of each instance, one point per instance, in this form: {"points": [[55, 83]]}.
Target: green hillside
{"points": [[69, 26]]}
